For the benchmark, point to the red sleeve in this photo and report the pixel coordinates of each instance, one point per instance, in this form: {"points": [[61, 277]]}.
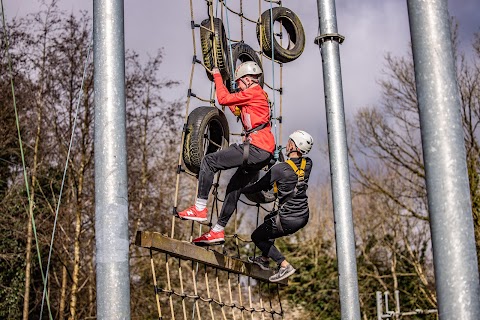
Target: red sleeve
{"points": [[226, 98]]}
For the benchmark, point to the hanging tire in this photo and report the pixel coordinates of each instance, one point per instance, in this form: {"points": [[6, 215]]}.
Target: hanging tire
{"points": [[242, 52], [294, 28], [261, 196], [206, 132], [221, 46]]}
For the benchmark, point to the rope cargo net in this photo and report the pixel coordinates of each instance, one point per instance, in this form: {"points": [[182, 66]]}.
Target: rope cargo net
{"points": [[188, 284]]}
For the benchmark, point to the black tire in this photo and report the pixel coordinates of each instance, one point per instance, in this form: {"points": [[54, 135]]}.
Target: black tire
{"points": [[294, 28], [221, 45], [206, 132], [243, 52], [261, 196]]}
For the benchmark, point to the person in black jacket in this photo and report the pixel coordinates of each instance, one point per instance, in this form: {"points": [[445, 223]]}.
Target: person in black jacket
{"points": [[290, 183]]}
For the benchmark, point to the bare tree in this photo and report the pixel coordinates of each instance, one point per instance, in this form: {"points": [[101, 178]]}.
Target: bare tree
{"points": [[389, 175], [49, 50], [153, 135]]}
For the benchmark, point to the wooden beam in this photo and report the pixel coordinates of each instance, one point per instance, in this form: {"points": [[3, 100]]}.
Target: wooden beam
{"points": [[186, 250]]}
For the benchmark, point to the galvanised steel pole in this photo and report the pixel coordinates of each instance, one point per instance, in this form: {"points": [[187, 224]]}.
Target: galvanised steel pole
{"points": [[329, 43], [111, 197], [451, 222]]}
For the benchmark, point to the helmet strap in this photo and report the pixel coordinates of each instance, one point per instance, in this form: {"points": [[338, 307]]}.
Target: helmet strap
{"points": [[299, 154], [253, 81], [294, 150], [245, 83]]}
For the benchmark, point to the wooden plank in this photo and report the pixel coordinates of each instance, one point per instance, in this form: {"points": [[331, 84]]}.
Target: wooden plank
{"points": [[186, 250]]}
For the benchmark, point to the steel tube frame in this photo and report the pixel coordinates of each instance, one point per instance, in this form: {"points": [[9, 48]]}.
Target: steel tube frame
{"points": [[451, 222], [111, 194], [339, 168]]}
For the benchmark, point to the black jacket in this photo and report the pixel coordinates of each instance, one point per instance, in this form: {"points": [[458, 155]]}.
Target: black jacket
{"points": [[290, 208]]}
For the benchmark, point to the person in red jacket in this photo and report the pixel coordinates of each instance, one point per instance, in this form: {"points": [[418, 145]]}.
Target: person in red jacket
{"points": [[254, 153]]}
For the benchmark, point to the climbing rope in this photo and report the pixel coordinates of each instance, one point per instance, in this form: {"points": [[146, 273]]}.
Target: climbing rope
{"points": [[17, 122], [79, 98], [45, 275]]}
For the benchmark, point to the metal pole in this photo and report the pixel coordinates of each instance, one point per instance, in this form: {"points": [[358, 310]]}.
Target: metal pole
{"points": [[329, 42], [451, 223], [397, 304], [379, 305], [111, 196]]}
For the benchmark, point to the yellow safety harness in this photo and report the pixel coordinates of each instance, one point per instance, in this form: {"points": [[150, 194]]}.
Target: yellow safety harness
{"points": [[299, 172]]}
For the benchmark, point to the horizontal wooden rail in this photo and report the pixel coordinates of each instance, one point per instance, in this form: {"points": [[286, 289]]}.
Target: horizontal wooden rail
{"points": [[185, 250]]}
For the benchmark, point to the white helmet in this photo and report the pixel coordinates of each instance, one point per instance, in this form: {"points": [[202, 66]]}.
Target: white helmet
{"points": [[303, 141], [247, 68]]}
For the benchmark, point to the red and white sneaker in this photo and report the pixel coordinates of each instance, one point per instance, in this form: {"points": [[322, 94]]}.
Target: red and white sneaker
{"points": [[193, 214], [210, 238]]}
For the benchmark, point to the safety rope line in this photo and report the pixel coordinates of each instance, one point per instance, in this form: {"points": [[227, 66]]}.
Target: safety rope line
{"points": [[80, 94], [272, 38], [212, 30], [280, 119], [232, 80], [241, 19], [17, 122], [260, 26]]}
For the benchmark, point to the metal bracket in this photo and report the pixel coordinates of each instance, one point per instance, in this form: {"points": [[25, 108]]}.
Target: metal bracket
{"points": [[329, 36]]}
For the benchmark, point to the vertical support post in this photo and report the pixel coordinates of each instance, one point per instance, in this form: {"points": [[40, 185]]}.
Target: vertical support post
{"points": [[387, 310], [329, 42], [111, 196], [451, 223], [397, 304], [379, 305]]}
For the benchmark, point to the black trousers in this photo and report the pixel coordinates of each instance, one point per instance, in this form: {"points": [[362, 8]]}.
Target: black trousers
{"points": [[232, 157], [272, 228]]}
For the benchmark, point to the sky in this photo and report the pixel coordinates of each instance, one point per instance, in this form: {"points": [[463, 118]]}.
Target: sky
{"points": [[372, 29]]}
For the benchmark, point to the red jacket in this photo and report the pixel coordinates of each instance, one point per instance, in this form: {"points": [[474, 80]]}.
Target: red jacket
{"points": [[255, 111]]}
